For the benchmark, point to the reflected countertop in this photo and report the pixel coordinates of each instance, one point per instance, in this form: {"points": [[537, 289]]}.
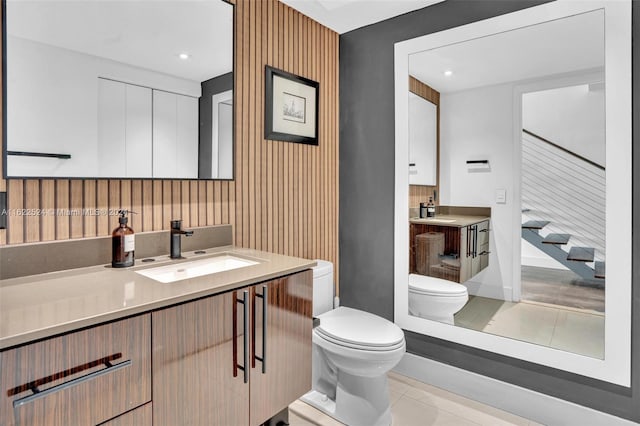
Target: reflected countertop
{"points": [[457, 221], [39, 306]]}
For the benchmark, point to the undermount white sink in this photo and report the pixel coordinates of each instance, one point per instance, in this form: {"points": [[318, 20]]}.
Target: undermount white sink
{"points": [[196, 268]]}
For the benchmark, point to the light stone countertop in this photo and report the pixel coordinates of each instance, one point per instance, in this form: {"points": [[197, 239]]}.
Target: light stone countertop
{"points": [[40, 306], [457, 221]]}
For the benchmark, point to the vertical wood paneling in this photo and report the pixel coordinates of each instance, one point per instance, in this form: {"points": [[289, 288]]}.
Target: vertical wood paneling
{"points": [[284, 197], [76, 197], [48, 205], [90, 218], [158, 206], [136, 205], [62, 203], [148, 206], [31, 204], [103, 208]]}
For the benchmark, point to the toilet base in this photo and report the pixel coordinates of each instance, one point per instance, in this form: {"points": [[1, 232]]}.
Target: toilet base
{"points": [[360, 401], [447, 319]]}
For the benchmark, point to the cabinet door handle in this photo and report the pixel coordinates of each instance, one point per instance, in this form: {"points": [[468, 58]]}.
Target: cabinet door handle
{"points": [[475, 240], [245, 338], [265, 302]]}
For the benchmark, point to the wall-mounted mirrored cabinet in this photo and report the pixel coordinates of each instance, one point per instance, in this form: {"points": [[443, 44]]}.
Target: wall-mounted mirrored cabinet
{"points": [[541, 99], [119, 89], [422, 141]]}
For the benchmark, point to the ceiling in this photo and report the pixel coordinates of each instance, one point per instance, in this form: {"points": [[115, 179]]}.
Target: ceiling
{"points": [[555, 47], [346, 15], [146, 33]]}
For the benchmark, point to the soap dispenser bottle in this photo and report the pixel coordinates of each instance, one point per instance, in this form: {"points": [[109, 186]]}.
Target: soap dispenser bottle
{"points": [[123, 243], [431, 208]]}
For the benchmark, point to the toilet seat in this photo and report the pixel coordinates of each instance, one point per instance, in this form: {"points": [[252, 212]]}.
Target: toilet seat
{"points": [[432, 286], [361, 330]]}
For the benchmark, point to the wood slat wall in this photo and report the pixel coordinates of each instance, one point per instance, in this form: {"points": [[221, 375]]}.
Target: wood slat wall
{"points": [[421, 193], [284, 198]]}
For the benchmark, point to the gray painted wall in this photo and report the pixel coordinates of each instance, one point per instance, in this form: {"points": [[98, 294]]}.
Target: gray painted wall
{"points": [[213, 86], [367, 197]]}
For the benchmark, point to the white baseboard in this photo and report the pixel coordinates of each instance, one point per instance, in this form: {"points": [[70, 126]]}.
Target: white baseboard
{"points": [[523, 402]]}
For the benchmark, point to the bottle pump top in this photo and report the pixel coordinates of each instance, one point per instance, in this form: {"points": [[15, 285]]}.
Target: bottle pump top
{"points": [[123, 219]]}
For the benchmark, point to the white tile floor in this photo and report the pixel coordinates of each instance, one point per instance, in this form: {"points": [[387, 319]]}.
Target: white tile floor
{"points": [[567, 329], [417, 404]]}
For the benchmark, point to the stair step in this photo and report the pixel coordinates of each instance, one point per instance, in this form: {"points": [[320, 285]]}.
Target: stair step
{"points": [[535, 224], [556, 239], [600, 270], [581, 254]]}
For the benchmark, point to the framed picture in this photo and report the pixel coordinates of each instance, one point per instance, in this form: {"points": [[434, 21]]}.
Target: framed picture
{"points": [[290, 107]]}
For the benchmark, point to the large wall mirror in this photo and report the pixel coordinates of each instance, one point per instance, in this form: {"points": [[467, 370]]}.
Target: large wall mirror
{"points": [[544, 96], [119, 89]]}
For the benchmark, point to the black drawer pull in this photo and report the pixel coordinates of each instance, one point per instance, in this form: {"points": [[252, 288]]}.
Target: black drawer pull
{"points": [[33, 386], [41, 394]]}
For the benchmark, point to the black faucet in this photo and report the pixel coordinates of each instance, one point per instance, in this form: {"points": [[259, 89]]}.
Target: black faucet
{"points": [[176, 233]]}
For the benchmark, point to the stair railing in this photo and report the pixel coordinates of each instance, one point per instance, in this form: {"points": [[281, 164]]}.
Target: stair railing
{"points": [[566, 189]]}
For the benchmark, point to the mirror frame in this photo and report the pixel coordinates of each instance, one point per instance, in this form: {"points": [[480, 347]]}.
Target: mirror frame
{"points": [[616, 366], [3, 6]]}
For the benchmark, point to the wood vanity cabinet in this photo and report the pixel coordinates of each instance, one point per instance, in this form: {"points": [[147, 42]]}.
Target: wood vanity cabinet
{"points": [[209, 364], [85, 377], [475, 252], [464, 252]]}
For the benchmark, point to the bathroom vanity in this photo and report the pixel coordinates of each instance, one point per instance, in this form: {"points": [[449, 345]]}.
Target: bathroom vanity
{"points": [[453, 245], [97, 345]]}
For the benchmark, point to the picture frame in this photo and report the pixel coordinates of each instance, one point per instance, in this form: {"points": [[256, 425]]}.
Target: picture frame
{"points": [[291, 107]]}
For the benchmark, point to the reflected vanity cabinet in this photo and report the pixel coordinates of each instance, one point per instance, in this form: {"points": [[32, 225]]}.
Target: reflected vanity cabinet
{"points": [[217, 362], [454, 253], [87, 377], [236, 358]]}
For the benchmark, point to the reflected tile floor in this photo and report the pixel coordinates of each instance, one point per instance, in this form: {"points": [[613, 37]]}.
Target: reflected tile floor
{"points": [[567, 329], [414, 403]]}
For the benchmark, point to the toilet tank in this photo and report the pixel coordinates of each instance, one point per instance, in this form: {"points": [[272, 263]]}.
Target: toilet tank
{"points": [[323, 288]]}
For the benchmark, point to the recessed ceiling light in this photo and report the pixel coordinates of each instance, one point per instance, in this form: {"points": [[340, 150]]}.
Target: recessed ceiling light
{"points": [[448, 73], [184, 56]]}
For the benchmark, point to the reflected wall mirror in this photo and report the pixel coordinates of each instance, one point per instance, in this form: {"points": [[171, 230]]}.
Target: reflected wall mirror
{"points": [[119, 89], [526, 92]]}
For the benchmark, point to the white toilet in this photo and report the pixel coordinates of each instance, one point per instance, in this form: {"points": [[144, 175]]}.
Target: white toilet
{"points": [[352, 352], [434, 298]]}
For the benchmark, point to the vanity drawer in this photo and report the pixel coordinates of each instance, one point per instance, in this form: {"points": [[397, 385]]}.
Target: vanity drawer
{"points": [[81, 378]]}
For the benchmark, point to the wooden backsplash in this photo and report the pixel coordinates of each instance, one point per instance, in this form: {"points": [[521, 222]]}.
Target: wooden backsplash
{"points": [[284, 197]]}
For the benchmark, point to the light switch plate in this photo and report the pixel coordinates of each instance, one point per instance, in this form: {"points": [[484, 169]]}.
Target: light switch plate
{"points": [[501, 196]]}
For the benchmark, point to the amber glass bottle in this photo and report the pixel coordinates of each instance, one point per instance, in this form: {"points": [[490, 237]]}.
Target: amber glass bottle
{"points": [[123, 243]]}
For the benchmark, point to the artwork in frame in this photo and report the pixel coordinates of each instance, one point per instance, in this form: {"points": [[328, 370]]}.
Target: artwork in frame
{"points": [[290, 107]]}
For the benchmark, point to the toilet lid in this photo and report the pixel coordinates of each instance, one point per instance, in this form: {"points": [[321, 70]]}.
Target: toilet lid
{"points": [[435, 286], [354, 327]]}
